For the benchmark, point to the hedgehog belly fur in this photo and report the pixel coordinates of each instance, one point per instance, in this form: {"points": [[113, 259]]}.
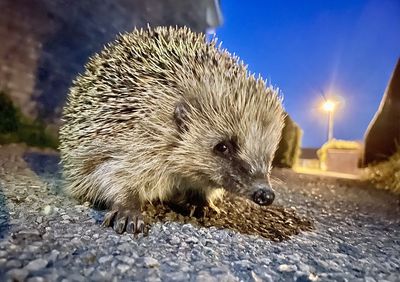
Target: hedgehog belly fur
{"points": [[115, 180]]}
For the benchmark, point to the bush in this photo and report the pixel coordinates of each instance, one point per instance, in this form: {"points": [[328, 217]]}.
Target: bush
{"points": [[15, 128], [8, 115], [289, 147], [386, 174]]}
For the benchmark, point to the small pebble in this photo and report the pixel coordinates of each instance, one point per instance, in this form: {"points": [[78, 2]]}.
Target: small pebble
{"points": [[36, 265], [54, 255], [150, 262], [175, 240], [255, 277], [75, 277], [192, 240], [18, 274], [287, 268], [36, 279], [127, 260], [105, 259], [13, 263], [48, 210], [123, 268], [244, 264], [204, 276]]}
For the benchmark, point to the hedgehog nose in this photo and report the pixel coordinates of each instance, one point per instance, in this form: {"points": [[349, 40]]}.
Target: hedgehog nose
{"points": [[263, 195]]}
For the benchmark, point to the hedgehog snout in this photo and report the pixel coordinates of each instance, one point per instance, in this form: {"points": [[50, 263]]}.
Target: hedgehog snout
{"points": [[263, 194]]}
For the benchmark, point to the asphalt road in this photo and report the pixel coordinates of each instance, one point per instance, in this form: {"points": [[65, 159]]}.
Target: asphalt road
{"points": [[319, 229]]}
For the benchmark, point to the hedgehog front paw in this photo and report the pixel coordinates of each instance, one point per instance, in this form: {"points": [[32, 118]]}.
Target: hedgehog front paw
{"points": [[129, 220]]}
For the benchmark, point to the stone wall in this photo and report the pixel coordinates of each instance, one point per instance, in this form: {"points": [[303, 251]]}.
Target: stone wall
{"points": [[45, 43]]}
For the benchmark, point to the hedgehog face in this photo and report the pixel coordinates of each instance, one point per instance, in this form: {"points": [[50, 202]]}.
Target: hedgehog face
{"points": [[235, 173], [229, 148]]}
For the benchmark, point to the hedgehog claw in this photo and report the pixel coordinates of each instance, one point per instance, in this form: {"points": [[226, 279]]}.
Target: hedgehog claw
{"points": [[130, 226], [120, 223], [135, 224], [140, 225], [109, 218], [130, 221]]}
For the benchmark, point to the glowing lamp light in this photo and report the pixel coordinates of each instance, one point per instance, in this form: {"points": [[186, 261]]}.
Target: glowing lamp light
{"points": [[328, 106]]}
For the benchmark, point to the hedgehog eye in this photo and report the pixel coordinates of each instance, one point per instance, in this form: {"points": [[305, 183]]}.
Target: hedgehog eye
{"points": [[223, 148]]}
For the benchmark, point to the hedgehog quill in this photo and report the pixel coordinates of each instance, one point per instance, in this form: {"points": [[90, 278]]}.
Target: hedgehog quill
{"points": [[162, 114]]}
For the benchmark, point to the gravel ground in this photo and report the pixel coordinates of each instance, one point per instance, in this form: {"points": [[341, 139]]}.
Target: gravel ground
{"points": [[319, 229]]}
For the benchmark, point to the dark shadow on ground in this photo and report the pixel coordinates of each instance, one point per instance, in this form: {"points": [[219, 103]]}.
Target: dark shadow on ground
{"points": [[43, 164], [46, 166], [4, 216]]}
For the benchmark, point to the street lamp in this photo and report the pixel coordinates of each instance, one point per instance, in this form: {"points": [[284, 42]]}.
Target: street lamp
{"points": [[329, 106]]}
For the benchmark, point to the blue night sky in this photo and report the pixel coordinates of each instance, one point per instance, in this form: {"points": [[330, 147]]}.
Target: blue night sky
{"points": [[345, 48]]}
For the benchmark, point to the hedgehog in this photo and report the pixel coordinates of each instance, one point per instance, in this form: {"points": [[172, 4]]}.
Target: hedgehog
{"points": [[163, 114]]}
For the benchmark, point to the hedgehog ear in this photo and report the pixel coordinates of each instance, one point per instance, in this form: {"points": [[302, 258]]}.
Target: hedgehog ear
{"points": [[181, 114]]}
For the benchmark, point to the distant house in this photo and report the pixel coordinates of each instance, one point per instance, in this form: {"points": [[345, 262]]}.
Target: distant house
{"points": [[334, 158], [340, 156], [309, 158], [342, 160]]}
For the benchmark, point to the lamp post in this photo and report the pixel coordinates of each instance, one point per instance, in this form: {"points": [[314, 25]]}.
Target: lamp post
{"points": [[329, 107]]}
